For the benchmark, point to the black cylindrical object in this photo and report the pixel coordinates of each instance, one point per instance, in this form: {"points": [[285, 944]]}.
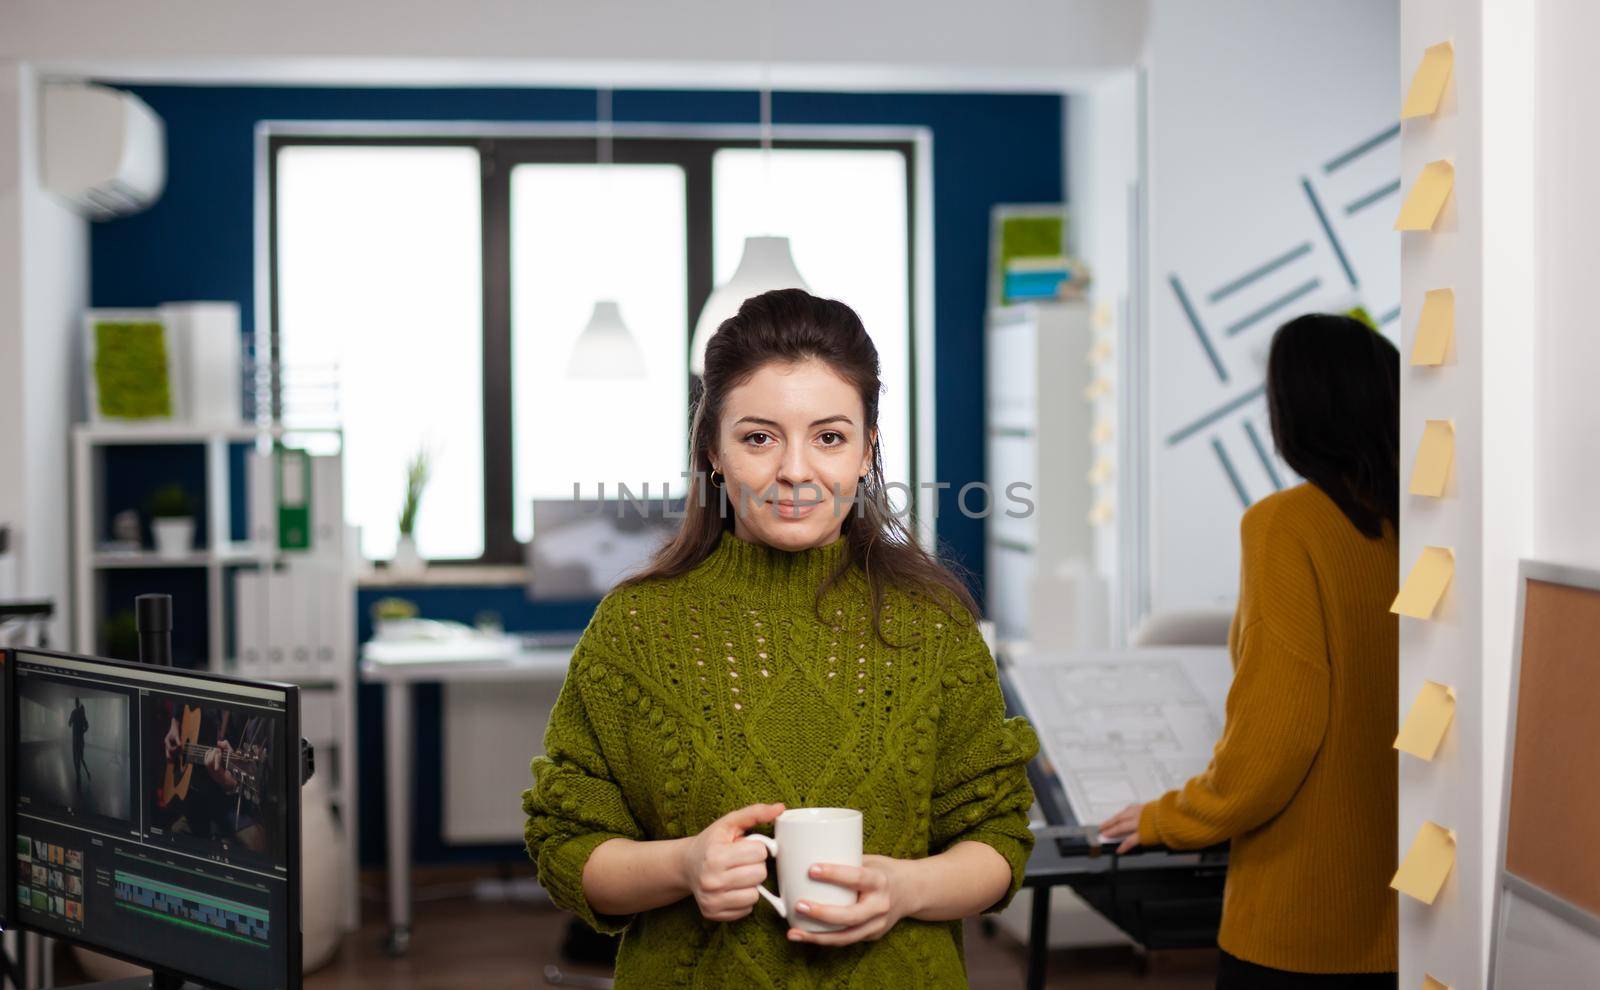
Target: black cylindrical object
{"points": [[152, 617]]}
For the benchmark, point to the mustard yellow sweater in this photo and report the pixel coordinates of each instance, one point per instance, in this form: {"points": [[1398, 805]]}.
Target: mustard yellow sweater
{"points": [[1303, 780]]}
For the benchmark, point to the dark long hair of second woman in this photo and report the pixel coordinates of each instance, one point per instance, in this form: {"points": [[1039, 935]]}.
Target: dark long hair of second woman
{"points": [[788, 326], [1333, 394]]}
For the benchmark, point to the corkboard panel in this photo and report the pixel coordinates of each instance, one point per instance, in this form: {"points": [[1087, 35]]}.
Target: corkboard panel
{"points": [[1554, 813]]}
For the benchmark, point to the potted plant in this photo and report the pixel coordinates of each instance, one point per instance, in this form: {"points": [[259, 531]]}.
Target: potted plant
{"points": [[389, 616], [406, 558], [171, 513]]}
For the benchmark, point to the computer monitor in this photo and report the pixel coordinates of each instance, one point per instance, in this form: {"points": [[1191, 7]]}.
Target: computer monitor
{"points": [[7, 863], [582, 547], [156, 816]]}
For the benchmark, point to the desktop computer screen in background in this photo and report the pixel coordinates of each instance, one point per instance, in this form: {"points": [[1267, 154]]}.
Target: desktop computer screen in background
{"points": [[152, 816]]}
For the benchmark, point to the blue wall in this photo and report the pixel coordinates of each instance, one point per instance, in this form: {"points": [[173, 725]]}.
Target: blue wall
{"points": [[196, 242]]}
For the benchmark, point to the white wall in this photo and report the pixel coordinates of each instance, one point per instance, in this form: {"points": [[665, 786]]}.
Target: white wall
{"points": [[1104, 202], [44, 278], [1483, 246], [11, 404], [1567, 441], [823, 43], [1248, 100]]}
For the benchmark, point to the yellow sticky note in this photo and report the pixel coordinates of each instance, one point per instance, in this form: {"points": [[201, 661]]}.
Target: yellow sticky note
{"points": [[1425, 867], [1426, 723], [1100, 351], [1101, 472], [1097, 388], [1435, 328], [1101, 431], [1427, 196], [1101, 513], [1427, 86], [1434, 455], [1425, 585], [1431, 982]]}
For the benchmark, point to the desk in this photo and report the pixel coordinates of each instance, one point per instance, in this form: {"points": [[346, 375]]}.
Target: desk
{"points": [[1159, 898], [401, 666]]}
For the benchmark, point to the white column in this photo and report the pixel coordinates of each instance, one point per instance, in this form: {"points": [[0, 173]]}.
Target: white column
{"points": [[1483, 248], [44, 279]]}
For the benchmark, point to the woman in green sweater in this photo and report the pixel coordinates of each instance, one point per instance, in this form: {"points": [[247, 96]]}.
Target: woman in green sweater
{"points": [[792, 646]]}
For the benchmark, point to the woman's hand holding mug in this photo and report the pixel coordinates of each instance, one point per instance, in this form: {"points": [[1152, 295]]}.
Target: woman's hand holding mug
{"points": [[885, 892], [724, 873]]}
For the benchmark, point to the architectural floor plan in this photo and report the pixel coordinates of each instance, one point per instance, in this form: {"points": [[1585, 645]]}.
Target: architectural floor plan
{"points": [[1123, 726]]}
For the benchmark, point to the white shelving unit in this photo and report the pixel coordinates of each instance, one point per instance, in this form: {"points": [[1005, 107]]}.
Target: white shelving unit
{"points": [[327, 688], [1043, 588], [1040, 410]]}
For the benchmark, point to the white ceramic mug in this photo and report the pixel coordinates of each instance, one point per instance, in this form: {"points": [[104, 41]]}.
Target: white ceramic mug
{"points": [[806, 836]]}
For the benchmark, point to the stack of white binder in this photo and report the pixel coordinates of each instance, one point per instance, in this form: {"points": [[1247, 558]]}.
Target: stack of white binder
{"points": [[294, 618]]}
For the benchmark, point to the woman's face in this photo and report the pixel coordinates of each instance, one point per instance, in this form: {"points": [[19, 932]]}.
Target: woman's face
{"points": [[792, 448]]}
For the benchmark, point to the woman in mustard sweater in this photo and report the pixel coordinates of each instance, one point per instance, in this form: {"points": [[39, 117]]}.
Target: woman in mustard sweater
{"points": [[1303, 780], [796, 649]]}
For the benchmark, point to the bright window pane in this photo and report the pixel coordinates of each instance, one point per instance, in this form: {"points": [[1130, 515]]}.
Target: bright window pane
{"points": [[844, 213], [581, 233], [380, 288]]}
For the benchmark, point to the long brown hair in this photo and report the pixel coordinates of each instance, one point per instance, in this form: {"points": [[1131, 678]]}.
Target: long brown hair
{"points": [[787, 326]]}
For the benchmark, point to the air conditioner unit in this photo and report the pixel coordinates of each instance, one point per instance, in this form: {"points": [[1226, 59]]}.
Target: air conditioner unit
{"points": [[104, 149]]}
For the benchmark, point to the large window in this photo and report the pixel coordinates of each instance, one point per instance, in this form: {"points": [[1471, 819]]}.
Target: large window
{"points": [[582, 233], [845, 214], [441, 283], [380, 286]]}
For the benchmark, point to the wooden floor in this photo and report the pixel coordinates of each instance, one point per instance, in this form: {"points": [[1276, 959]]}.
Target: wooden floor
{"points": [[460, 942], [465, 943]]}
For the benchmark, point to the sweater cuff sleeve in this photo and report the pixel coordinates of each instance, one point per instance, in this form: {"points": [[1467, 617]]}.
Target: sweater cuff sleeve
{"points": [[560, 873], [1148, 836], [1016, 851]]}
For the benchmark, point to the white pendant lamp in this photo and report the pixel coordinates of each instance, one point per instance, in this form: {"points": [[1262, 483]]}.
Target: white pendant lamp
{"points": [[767, 264], [606, 349]]}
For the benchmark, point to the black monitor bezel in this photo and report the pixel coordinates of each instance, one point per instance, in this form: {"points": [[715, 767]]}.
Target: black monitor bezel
{"points": [[8, 869], [292, 813]]}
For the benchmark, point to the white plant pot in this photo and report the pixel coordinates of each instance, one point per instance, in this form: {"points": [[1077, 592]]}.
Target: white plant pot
{"points": [[174, 537], [406, 559]]}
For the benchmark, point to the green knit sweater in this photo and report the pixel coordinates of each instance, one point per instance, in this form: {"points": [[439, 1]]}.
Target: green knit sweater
{"points": [[690, 697]]}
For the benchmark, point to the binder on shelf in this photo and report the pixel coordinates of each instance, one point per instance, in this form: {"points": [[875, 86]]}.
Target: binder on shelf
{"points": [[280, 641], [327, 505], [247, 625], [263, 507], [294, 498]]}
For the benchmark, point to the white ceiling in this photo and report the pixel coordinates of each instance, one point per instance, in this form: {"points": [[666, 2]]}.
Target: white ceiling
{"points": [[817, 44]]}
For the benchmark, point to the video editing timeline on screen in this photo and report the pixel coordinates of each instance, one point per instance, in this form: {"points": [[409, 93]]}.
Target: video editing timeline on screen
{"points": [[151, 815], [214, 915]]}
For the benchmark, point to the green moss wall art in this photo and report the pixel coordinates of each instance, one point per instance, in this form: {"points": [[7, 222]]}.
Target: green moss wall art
{"points": [[131, 369]]}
